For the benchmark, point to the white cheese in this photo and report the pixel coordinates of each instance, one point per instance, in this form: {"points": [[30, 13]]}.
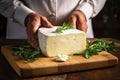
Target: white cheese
{"points": [[62, 57], [68, 42]]}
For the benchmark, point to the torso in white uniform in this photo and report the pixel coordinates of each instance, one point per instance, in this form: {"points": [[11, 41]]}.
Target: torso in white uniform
{"points": [[56, 11]]}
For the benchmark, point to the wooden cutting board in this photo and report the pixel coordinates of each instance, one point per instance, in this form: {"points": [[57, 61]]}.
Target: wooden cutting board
{"points": [[45, 65]]}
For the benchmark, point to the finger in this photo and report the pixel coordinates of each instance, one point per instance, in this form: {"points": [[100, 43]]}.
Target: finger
{"points": [[33, 41], [81, 21], [32, 36], [82, 27], [81, 24], [72, 20], [45, 22], [32, 23]]}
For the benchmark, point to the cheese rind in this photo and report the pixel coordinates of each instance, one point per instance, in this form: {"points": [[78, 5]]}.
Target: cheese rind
{"points": [[68, 42]]}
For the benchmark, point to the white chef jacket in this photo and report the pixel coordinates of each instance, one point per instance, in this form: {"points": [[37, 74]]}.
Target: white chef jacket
{"points": [[55, 10]]}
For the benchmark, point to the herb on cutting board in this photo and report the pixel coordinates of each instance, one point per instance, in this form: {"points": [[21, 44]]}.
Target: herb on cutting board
{"points": [[26, 52], [95, 47], [64, 27], [30, 54]]}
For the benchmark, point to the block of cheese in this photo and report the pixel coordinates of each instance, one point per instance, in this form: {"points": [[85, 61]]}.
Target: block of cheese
{"points": [[68, 42]]}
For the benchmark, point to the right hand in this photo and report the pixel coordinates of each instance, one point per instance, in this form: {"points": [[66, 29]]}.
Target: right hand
{"points": [[78, 20], [33, 22]]}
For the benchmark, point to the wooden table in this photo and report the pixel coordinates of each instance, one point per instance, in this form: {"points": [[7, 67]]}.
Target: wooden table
{"points": [[109, 73]]}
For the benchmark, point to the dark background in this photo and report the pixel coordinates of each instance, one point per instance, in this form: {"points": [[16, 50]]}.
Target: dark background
{"points": [[105, 24]]}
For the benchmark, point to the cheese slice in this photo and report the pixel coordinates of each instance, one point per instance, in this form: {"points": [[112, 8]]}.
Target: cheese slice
{"points": [[68, 42]]}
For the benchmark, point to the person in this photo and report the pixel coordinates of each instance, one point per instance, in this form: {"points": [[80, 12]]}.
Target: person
{"points": [[47, 13]]}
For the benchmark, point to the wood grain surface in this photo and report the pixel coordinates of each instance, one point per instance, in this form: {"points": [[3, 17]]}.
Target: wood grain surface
{"points": [[46, 66]]}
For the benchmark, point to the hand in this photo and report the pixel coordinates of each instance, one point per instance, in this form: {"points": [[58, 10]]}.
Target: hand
{"points": [[33, 22], [78, 20]]}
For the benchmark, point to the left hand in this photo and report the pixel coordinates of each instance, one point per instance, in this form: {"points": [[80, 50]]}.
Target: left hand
{"points": [[33, 22], [78, 20]]}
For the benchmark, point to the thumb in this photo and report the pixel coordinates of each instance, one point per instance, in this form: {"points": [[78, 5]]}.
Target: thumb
{"points": [[46, 23]]}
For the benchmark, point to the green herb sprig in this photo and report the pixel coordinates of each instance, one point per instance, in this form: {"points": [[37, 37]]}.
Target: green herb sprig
{"points": [[65, 26], [95, 47], [26, 52]]}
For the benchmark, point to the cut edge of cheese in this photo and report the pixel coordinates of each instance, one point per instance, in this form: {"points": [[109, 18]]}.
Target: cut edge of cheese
{"points": [[69, 42]]}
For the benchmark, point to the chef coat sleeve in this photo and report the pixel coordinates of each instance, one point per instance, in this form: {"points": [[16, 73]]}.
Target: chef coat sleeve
{"points": [[15, 10], [90, 8]]}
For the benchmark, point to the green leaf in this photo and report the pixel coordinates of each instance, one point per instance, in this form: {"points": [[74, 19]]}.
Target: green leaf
{"points": [[26, 52], [95, 47], [63, 27]]}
